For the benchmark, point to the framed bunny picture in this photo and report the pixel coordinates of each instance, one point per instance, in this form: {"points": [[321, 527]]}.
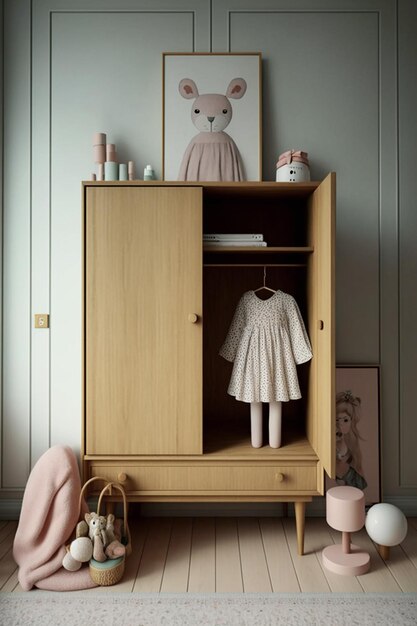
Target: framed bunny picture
{"points": [[212, 116]]}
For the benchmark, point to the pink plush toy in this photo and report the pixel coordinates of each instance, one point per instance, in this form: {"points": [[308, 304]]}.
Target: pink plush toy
{"points": [[212, 154], [97, 537], [114, 549]]}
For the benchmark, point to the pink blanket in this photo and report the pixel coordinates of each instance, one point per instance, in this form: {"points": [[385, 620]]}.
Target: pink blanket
{"points": [[47, 520]]}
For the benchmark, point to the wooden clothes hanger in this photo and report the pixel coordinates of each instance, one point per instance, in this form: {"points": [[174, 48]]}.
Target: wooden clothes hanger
{"points": [[264, 285]]}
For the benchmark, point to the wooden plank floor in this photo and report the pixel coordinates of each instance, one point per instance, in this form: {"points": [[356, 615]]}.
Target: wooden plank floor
{"points": [[239, 555]]}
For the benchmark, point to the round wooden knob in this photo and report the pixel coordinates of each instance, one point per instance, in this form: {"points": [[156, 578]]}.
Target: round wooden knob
{"points": [[122, 477], [279, 477], [192, 317]]}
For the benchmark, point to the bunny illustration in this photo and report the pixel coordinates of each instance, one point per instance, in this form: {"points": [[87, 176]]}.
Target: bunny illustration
{"points": [[212, 154]]}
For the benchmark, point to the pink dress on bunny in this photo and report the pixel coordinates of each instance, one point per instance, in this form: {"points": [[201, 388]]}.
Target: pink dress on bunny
{"points": [[211, 156]]}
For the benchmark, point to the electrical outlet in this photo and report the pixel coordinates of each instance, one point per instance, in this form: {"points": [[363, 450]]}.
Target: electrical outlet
{"points": [[41, 320]]}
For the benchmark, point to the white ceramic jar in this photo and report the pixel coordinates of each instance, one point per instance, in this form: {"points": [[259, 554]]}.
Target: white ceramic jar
{"points": [[292, 166]]}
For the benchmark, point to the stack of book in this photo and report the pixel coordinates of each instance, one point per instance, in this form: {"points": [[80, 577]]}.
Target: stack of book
{"points": [[215, 240]]}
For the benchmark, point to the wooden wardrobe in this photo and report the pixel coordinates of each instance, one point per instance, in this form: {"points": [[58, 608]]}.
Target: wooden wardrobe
{"points": [[157, 307]]}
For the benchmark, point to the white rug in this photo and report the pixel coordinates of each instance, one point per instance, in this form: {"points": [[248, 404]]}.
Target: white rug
{"points": [[135, 609]]}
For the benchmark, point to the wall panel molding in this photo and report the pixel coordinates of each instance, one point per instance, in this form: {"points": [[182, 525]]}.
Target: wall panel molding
{"points": [[16, 414], [1, 221], [407, 227], [368, 319], [42, 369], [223, 12], [10, 509], [50, 69]]}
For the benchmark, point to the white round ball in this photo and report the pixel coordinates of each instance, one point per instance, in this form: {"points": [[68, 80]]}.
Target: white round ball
{"points": [[70, 564], [82, 549], [386, 524]]}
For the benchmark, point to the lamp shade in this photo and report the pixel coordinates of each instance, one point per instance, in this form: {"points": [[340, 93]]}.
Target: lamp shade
{"points": [[345, 508], [386, 524]]}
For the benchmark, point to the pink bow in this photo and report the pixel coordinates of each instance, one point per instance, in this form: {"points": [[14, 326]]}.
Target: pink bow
{"points": [[292, 155]]}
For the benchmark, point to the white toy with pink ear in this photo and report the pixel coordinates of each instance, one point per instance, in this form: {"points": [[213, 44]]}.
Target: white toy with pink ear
{"points": [[212, 154]]}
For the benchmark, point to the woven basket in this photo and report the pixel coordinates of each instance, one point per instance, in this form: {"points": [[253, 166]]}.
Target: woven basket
{"points": [[126, 538], [107, 573], [111, 571]]}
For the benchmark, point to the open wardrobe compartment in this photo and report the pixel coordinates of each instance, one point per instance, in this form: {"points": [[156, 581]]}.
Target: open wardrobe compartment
{"points": [[158, 304]]}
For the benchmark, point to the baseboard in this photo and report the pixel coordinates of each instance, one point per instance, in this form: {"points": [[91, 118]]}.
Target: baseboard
{"points": [[213, 509], [407, 504], [10, 508]]}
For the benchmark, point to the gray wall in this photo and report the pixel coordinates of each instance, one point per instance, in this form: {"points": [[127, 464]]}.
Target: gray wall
{"points": [[338, 81]]}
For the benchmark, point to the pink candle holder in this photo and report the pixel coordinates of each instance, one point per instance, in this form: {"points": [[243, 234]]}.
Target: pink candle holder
{"points": [[99, 147]]}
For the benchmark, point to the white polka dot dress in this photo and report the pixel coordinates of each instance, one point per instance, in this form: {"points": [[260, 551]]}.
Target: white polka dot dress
{"points": [[266, 340]]}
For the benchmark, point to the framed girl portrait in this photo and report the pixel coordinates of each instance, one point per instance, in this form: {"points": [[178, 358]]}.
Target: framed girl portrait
{"points": [[211, 116], [357, 430]]}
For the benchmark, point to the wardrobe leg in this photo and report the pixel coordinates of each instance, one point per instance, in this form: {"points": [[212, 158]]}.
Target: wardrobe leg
{"points": [[300, 510]]}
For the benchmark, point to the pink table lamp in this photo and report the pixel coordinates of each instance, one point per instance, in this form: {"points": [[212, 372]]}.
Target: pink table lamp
{"points": [[345, 511]]}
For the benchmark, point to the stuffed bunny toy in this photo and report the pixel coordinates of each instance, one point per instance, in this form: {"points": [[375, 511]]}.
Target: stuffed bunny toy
{"points": [[212, 154], [97, 526], [97, 537]]}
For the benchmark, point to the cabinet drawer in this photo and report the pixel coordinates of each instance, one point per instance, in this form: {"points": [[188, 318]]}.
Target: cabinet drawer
{"points": [[172, 478]]}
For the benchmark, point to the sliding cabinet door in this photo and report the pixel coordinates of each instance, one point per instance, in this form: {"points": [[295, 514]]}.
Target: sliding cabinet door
{"points": [[143, 328]]}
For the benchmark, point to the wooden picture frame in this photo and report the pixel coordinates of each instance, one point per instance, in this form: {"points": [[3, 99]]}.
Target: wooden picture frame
{"points": [[357, 430], [211, 73]]}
